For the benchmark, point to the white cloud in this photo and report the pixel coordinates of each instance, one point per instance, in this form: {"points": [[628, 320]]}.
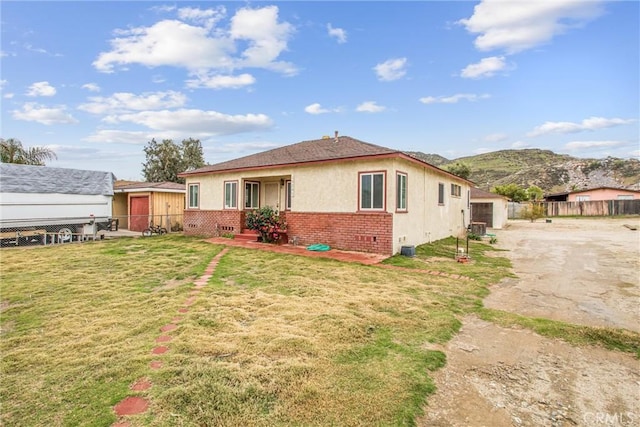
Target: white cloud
{"points": [[515, 26], [576, 145], [222, 82], [3, 83], [196, 122], [8, 95], [32, 112], [392, 69], [370, 107], [91, 87], [125, 102], [339, 34], [590, 124], [267, 38], [318, 109], [201, 46], [487, 67], [495, 137], [120, 137], [41, 89], [453, 99]]}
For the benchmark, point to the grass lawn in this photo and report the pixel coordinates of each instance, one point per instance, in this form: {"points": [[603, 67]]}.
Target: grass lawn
{"points": [[271, 340]]}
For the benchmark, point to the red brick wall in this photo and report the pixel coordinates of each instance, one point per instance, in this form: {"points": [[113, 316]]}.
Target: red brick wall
{"points": [[363, 232], [212, 223]]}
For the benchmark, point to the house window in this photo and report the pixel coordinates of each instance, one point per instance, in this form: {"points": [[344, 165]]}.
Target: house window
{"points": [[625, 196], [194, 196], [372, 190], [401, 191], [583, 198], [456, 190], [287, 202], [231, 195], [440, 193], [251, 195]]}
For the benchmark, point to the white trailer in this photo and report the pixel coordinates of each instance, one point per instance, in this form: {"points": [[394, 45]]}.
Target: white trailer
{"points": [[36, 201]]}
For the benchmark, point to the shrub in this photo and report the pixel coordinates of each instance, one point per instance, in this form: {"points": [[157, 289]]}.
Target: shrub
{"points": [[266, 221], [533, 211]]}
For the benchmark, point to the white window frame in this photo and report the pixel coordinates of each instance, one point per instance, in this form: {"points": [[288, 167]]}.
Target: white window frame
{"points": [[372, 198], [255, 190], [231, 186], [401, 191], [288, 193], [192, 188]]}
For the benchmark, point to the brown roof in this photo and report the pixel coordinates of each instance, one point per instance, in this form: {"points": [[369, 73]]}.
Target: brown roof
{"points": [[325, 149], [158, 186], [477, 193]]}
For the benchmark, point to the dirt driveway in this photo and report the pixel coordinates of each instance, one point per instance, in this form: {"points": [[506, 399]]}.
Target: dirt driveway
{"points": [[583, 271]]}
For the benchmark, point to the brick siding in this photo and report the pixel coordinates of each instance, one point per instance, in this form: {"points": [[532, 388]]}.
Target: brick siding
{"points": [[362, 232], [212, 223]]}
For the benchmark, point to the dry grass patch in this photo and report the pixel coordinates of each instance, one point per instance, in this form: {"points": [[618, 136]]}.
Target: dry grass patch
{"points": [[80, 323], [286, 340]]}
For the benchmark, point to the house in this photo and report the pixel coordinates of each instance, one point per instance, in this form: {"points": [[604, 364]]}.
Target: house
{"points": [[593, 194], [339, 191], [489, 208], [136, 204]]}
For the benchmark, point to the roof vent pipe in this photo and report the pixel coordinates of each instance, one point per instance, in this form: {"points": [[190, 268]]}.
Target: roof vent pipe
{"points": [[335, 138]]}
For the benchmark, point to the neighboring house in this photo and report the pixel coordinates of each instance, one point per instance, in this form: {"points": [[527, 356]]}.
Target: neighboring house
{"points": [[338, 191], [136, 204], [594, 194], [490, 208]]}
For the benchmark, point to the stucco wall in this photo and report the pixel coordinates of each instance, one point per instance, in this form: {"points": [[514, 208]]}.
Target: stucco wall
{"points": [[333, 188], [602, 194]]}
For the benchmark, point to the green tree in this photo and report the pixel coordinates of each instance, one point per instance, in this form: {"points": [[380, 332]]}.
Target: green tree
{"points": [[12, 151], [535, 193], [460, 169], [165, 160], [512, 191], [192, 154]]}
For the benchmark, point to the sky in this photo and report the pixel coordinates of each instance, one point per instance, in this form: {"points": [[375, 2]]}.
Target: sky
{"points": [[96, 81]]}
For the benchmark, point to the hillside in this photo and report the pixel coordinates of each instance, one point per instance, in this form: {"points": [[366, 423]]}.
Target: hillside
{"points": [[550, 171]]}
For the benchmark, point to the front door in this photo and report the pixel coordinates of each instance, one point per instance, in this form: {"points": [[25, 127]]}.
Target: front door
{"points": [[271, 195], [139, 219]]}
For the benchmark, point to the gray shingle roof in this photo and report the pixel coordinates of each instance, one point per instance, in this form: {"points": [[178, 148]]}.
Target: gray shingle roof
{"points": [[342, 147]]}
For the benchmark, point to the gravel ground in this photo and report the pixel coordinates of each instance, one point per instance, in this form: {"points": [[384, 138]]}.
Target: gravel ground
{"points": [[583, 271]]}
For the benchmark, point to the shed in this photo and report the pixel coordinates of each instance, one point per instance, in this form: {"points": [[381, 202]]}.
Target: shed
{"points": [[137, 204], [489, 208]]}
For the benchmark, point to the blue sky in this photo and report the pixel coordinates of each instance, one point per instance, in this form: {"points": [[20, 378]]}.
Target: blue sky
{"points": [[96, 81]]}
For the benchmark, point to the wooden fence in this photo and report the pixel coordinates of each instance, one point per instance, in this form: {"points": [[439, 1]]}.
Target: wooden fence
{"points": [[587, 208]]}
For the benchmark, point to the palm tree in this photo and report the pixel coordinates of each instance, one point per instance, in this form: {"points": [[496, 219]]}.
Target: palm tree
{"points": [[12, 151]]}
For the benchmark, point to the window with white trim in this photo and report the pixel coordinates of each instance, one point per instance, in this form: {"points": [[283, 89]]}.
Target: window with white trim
{"points": [[194, 196], [583, 198], [401, 191], [372, 191], [251, 195], [231, 195], [288, 193]]}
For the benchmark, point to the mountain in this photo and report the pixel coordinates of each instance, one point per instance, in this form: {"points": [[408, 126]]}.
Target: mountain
{"points": [[552, 172]]}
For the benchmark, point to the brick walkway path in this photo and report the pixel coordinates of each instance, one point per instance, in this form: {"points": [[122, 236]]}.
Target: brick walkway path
{"points": [[137, 403]]}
